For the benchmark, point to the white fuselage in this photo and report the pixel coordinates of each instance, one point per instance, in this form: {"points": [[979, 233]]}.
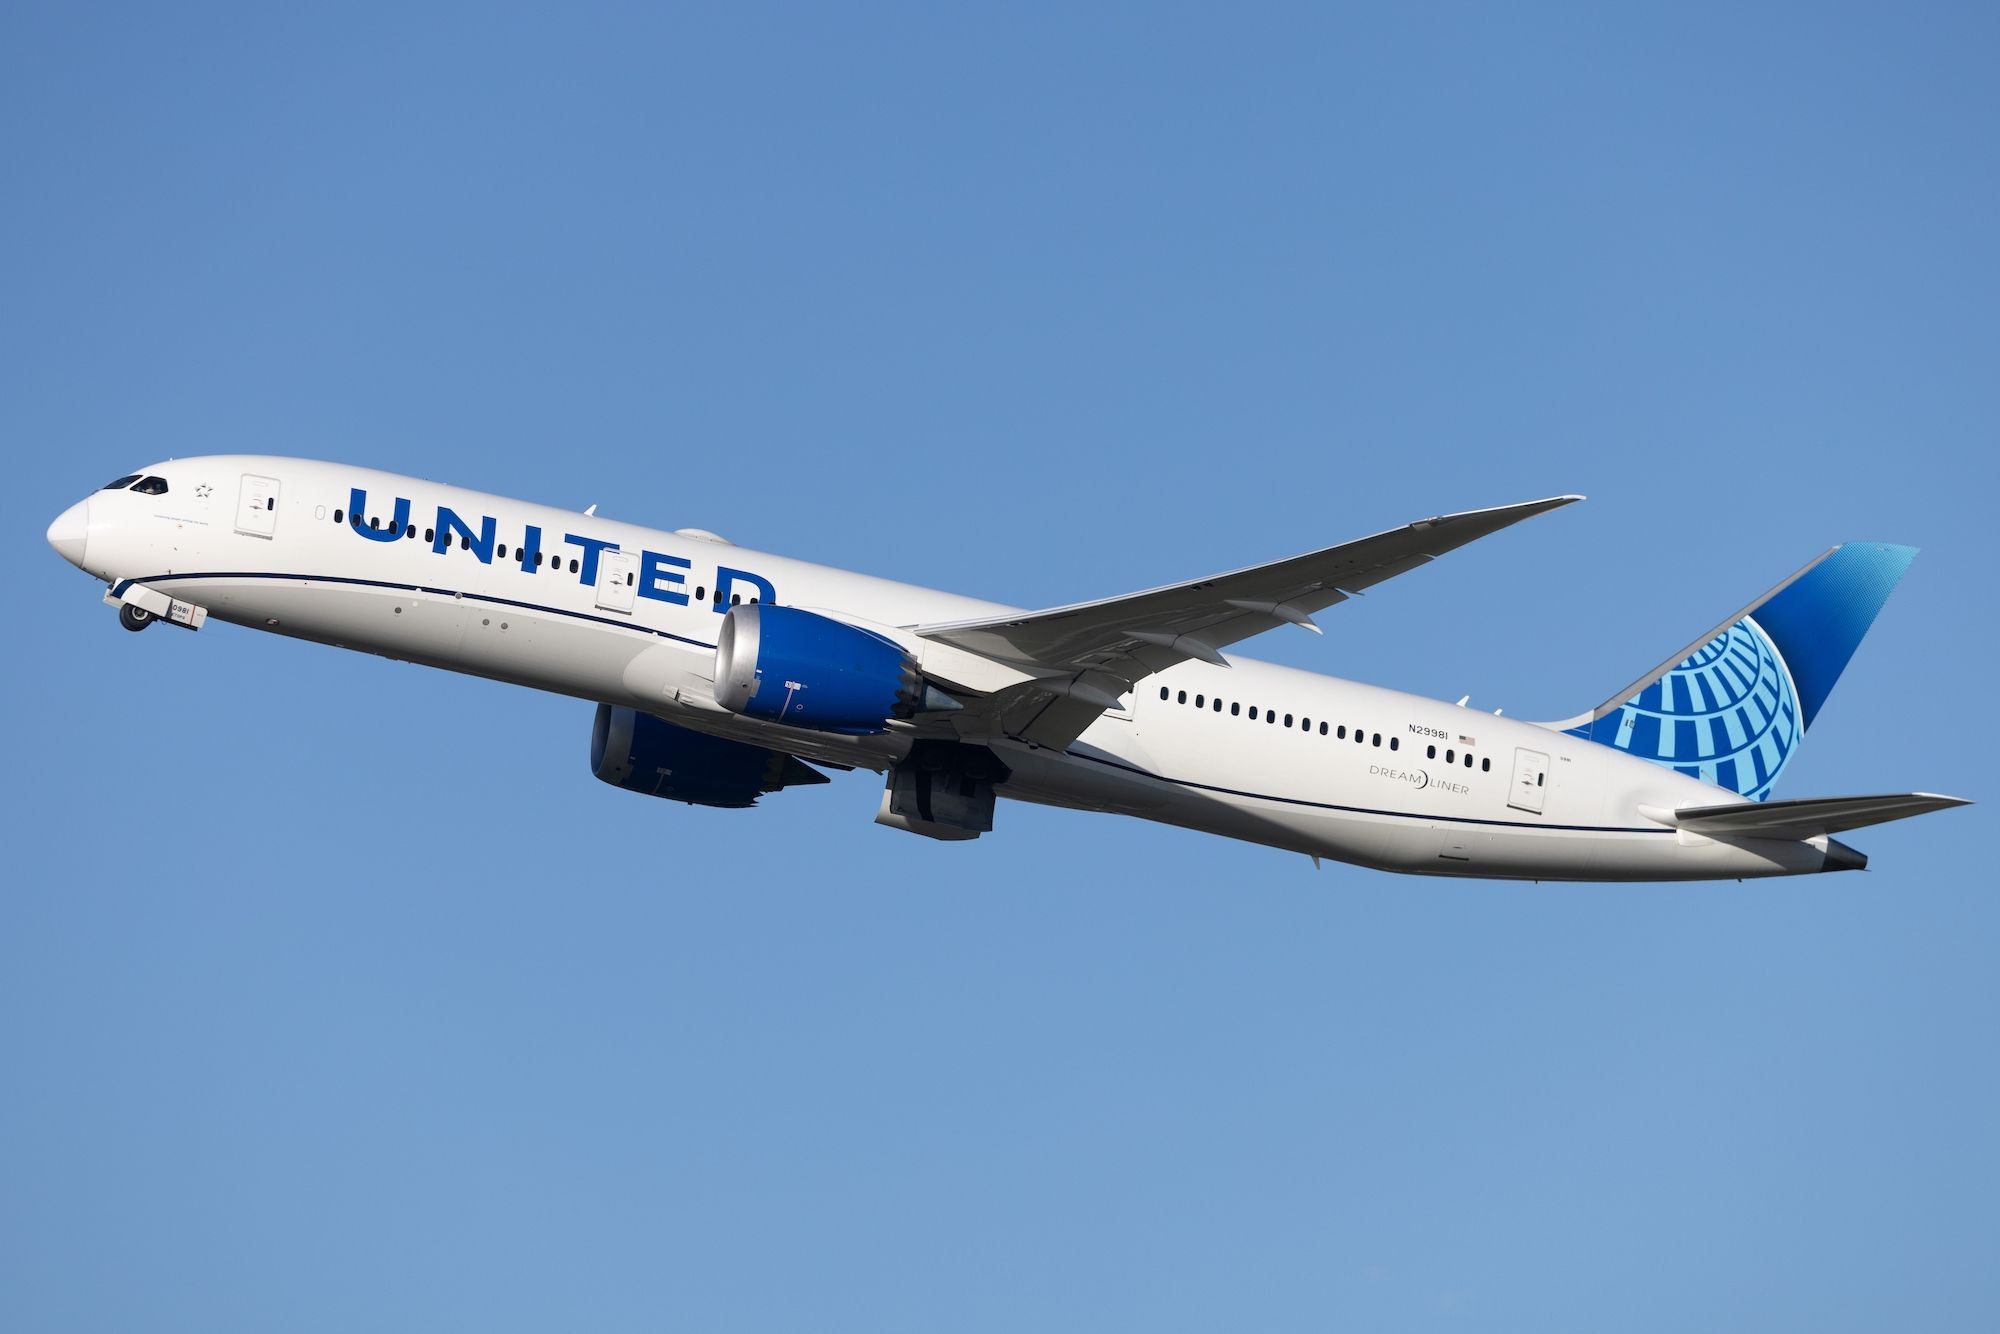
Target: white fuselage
{"points": [[1328, 767]]}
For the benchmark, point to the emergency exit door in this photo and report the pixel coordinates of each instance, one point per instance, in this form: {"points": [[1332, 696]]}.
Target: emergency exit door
{"points": [[257, 506], [617, 580], [1531, 776]]}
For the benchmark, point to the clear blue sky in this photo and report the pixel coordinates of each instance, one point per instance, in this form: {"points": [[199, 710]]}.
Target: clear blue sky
{"points": [[336, 995]]}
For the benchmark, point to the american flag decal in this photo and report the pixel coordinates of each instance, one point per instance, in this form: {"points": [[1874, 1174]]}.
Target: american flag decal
{"points": [[1467, 741]]}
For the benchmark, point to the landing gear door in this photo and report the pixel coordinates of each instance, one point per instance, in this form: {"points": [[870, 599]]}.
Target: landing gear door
{"points": [[617, 580], [1531, 775], [257, 506]]}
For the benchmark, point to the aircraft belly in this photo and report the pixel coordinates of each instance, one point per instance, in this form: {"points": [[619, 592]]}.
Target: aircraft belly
{"points": [[1051, 778], [1512, 852], [1379, 841], [571, 655], [522, 647], [671, 679], [394, 623], [1491, 844]]}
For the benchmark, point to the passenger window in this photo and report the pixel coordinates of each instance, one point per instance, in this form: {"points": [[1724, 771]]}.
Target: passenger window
{"points": [[1342, 732], [503, 551], [1201, 701], [1486, 766], [152, 486], [1181, 698], [1253, 713], [1218, 704], [1164, 692], [1322, 729], [1288, 720], [338, 516], [374, 523], [1235, 709], [121, 483], [572, 565], [1430, 752], [430, 534], [1394, 744], [1451, 757], [701, 595], [464, 543], [1377, 741], [1468, 759]]}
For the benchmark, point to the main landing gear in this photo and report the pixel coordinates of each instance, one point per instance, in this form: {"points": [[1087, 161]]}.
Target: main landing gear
{"points": [[134, 618]]}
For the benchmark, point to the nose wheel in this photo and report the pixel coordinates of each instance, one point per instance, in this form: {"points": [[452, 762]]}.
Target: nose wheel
{"points": [[139, 606]]}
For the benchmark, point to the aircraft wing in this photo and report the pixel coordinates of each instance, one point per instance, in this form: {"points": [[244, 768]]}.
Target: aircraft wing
{"points": [[1084, 656]]}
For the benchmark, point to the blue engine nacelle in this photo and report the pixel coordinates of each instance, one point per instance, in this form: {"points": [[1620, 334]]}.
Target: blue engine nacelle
{"points": [[641, 753], [806, 670]]}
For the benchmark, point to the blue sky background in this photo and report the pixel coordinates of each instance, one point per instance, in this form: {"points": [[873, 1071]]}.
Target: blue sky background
{"points": [[335, 994]]}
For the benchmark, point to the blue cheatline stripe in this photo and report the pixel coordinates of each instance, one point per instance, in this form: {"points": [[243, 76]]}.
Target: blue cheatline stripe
{"points": [[1363, 810], [118, 590]]}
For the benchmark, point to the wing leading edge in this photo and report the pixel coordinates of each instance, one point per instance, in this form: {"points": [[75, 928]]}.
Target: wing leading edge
{"points": [[1083, 657]]}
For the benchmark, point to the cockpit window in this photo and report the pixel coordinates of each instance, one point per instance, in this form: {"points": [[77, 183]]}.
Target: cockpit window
{"points": [[152, 486], [121, 483]]}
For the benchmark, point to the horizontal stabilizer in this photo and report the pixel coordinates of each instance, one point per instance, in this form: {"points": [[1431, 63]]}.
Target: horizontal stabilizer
{"points": [[1809, 817]]}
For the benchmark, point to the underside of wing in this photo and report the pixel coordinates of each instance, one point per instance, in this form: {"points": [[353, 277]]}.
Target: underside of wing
{"points": [[1082, 658]]}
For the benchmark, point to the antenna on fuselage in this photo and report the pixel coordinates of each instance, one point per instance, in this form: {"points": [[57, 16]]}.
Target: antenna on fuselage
{"points": [[591, 512]]}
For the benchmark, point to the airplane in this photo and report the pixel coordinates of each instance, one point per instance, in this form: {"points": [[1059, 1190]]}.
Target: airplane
{"points": [[721, 675]]}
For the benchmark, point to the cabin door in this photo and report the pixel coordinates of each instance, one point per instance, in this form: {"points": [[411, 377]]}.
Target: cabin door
{"points": [[617, 580], [1531, 773], [257, 506]]}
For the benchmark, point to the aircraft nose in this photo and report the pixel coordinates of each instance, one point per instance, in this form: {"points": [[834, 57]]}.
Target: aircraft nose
{"points": [[71, 531]]}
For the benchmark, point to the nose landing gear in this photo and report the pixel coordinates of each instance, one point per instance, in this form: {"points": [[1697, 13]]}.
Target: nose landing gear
{"points": [[139, 606]]}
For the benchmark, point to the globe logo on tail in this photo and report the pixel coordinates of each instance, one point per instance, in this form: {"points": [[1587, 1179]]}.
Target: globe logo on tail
{"points": [[1728, 715]]}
